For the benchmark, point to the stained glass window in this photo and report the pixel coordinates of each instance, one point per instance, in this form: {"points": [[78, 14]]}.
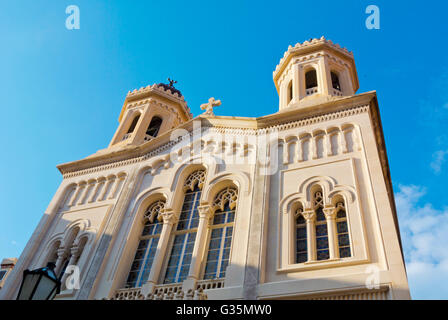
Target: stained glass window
{"points": [[220, 242], [322, 251], [301, 238], [342, 231], [147, 246], [185, 233]]}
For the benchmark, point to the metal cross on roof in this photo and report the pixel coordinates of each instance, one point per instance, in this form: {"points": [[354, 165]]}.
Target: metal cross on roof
{"points": [[209, 106], [172, 82]]}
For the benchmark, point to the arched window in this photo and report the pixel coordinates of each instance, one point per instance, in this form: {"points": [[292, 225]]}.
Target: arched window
{"points": [[342, 231], [290, 92], [301, 237], [311, 81], [133, 124], [154, 127], [335, 81], [322, 251], [147, 246], [68, 245], [53, 255], [221, 233], [186, 229]]}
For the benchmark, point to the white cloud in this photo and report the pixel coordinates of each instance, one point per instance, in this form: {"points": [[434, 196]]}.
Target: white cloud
{"points": [[424, 232], [438, 158]]}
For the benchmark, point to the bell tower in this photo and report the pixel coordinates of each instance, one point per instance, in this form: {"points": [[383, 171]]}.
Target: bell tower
{"points": [[314, 72], [150, 112]]}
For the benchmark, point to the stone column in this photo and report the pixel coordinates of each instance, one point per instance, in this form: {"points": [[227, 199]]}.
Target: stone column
{"points": [[285, 152], [296, 83], [324, 72], [115, 187], [310, 217], [62, 254], [330, 215], [98, 185], [329, 149], [205, 214], [79, 188], [74, 254], [88, 187], [169, 219], [107, 184], [299, 149]]}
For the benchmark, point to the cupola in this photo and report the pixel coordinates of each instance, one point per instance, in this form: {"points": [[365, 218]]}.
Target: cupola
{"points": [[150, 112], [314, 72]]}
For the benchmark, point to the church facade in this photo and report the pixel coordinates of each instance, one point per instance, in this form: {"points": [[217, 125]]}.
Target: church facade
{"points": [[297, 204]]}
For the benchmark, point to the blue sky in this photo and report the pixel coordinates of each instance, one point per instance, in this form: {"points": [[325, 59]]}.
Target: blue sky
{"points": [[62, 90]]}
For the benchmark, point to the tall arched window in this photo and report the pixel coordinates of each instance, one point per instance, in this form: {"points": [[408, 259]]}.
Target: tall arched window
{"points": [[311, 81], [335, 81], [301, 237], [221, 233], [322, 252], [69, 241], [290, 92], [154, 127], [186, 229], [133, 124], [53, 255], [342, 231], [147, 246]]}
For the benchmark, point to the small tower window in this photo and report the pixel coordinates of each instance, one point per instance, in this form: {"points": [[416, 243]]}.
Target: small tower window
{"points": [[133, 124], [290, 93], [311, 82], [154, 127], [335, 81]]}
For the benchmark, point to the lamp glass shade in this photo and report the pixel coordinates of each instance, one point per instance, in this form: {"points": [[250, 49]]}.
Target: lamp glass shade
{"points": [[39, 284]]}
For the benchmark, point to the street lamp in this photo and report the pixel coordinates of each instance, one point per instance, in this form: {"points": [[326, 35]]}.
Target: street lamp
{"points": [[39, 284]]}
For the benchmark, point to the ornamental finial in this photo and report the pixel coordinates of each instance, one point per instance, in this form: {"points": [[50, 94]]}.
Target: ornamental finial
{"points": [[172, 82]]}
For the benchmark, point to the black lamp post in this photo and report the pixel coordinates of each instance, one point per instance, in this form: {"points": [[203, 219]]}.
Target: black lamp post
{"points": [[39, 284]]}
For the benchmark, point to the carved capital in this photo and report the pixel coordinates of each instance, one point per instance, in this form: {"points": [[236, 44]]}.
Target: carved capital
{"points": [[205, 212], [309, 215], [74, 250], [330, 212], [169, 217], [62, 253]]}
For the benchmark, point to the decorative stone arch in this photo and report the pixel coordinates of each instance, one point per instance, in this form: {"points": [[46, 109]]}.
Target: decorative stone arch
{"points": [[356, 136], [223, 180], [51, 249], [326, 183], [179, 177], [133, 114], [68, 192], [346, 192], [290, 203], [146, 198]]}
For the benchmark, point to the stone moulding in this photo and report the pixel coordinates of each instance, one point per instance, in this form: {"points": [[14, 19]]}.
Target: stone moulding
{"points": [[100, 165]]}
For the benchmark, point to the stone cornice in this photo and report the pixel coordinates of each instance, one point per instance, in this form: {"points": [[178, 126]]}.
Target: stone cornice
{"points": [[280, 121]]}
